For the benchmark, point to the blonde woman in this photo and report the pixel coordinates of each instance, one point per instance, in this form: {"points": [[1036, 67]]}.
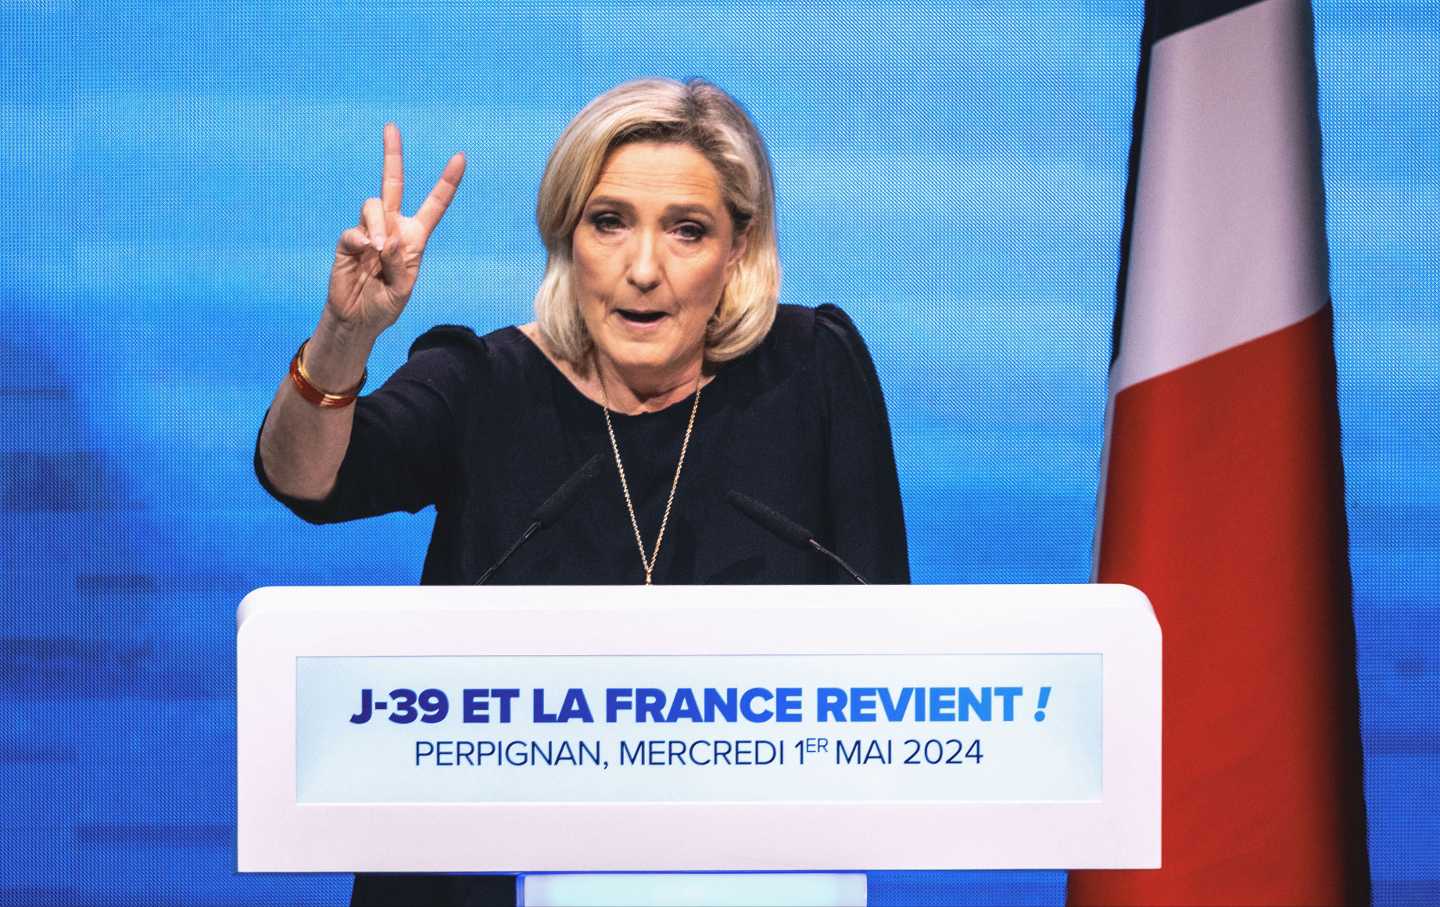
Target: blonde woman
{"points": [[659, 345]]}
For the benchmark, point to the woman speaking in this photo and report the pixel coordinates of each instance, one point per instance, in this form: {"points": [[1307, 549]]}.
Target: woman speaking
{"points": [[658, 347]]}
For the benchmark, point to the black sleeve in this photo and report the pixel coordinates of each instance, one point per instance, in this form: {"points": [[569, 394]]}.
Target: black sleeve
{"points": [[402, 444], [864, 490]]}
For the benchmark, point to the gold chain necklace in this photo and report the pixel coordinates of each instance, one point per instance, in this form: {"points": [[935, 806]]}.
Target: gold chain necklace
{"points": [[648, 563]]}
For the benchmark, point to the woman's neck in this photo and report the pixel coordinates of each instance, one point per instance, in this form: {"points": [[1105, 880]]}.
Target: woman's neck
{"points": [[635, 391], [628, 393]]}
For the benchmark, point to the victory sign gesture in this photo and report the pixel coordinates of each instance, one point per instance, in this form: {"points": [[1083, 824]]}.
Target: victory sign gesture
{"points": [[377, 261]]}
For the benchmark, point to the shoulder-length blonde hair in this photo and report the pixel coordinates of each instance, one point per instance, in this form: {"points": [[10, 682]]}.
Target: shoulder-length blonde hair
{"points": [[694, 113]]}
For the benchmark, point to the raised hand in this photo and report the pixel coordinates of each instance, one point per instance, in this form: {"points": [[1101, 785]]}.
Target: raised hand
{"points": [[377, 261]]}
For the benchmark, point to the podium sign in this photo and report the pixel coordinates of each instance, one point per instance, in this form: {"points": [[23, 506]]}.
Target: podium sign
{"points": [[542, 729]]}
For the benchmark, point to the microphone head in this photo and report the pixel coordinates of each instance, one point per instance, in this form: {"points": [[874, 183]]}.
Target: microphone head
{"points": [[567, 493], [782, 526]]}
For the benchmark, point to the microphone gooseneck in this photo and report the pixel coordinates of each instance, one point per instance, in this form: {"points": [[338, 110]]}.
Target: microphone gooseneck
{"points": [[551, 510], [787, 529], [564, 496]]}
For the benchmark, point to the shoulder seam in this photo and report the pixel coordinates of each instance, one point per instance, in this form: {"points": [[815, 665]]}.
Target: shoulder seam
{"points": [[446, 335]]}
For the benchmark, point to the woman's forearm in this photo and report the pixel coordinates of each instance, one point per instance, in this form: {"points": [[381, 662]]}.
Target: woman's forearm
{"points": [[302, 445]]}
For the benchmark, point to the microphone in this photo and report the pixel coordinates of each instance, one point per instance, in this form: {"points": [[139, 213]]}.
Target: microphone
{"points": [[550, 511], [787, 529]]}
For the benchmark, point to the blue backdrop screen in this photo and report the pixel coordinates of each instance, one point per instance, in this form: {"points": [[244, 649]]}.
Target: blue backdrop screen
{"points": [[951, 174]]}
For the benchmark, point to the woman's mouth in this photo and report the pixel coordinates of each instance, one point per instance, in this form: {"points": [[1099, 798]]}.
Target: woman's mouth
{"points": [[639, 316]]}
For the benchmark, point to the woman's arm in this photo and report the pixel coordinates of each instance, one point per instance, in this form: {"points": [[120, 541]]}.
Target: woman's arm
{"points": [[301, 445]]}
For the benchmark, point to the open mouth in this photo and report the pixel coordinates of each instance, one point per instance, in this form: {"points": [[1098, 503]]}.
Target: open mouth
{"points": [[635, 316]]}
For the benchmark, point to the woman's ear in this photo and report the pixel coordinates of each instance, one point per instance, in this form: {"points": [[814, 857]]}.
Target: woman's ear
{"points": [[737, 249]]}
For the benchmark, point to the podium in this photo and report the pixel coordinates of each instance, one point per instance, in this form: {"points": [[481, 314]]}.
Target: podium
{"points": [[551, 729]]}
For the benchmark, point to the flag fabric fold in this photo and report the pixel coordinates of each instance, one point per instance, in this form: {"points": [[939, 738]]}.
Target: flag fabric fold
{"points": [[1222, 487]]}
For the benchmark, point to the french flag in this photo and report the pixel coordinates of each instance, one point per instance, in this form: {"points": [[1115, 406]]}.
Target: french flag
{"points": [[1222, 489]]}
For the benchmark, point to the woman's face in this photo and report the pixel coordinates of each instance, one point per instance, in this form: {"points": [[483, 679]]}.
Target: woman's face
{"points": [[653, 250]]}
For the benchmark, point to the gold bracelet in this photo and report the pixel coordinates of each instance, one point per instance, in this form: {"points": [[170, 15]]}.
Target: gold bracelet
{"points": [[315, 395]]}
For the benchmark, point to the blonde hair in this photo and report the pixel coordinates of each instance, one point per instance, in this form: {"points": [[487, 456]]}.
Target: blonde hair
{"points": [[694, 113]]}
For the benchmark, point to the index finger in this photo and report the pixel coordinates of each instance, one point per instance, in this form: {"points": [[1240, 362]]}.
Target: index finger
{"points": [[439, 198], [392, 183]]}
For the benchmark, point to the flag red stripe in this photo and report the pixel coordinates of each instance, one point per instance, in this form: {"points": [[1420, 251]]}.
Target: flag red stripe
{"points": [[1224, 504]]}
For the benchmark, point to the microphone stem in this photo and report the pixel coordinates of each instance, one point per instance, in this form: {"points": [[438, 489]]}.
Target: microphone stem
{"points": [[839, 560], [529, 531]]}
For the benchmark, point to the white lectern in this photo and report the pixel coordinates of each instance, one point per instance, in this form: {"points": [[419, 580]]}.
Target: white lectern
{"points": [[692, 729]]}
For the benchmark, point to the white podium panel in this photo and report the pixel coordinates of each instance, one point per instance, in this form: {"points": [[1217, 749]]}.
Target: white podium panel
{"points": [[551, 729]]}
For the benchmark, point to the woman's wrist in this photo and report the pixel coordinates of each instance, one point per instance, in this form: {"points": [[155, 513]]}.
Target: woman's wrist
{"points": [[336, 354]]}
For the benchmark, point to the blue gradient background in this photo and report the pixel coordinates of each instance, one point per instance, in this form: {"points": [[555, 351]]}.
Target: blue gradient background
{"points": [[953, 175]]}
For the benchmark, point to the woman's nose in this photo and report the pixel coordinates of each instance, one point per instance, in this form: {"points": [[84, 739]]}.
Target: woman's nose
{"points": [[644, 272]]}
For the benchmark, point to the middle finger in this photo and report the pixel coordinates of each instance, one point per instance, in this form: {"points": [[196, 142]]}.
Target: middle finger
{"points": [[392, 182]]}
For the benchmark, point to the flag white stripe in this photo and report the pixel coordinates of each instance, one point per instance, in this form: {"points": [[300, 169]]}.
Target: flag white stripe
{"points": [[1228, 242]]}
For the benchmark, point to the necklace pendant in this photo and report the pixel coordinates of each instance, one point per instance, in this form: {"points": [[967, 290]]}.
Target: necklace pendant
{"points": [[647, 578]]}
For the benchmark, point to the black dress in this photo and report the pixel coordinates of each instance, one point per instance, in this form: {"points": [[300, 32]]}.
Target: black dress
{"points": [[486, 428]]}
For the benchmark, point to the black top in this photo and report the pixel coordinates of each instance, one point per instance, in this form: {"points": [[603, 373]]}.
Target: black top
{"points": [[487, 428]]}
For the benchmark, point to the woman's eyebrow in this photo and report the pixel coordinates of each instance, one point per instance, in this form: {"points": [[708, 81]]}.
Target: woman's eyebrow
{"points": [[674, 210], [611, 201], [677, 210]]}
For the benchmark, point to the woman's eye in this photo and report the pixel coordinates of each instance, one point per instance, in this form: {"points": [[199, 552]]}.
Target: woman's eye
{"points": [[690, 232], [606, 223]]}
